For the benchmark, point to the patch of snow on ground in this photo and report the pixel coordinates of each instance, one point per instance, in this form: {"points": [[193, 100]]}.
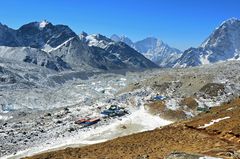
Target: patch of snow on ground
{"points": [[172, 104], [146, 120], [204, 59], [207, 157], [230, 108], [213, 122], [5, 117], [189, 113]]}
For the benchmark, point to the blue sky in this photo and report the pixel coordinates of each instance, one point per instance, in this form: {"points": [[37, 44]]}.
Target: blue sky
{"points": [[180, 23]]}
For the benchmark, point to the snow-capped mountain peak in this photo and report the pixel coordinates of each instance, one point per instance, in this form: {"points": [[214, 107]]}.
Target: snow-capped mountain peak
{"points": [[154, 49], [43, 24], [222, 45], [227, 27], [159, 52], [98, 40], [230, 21]]}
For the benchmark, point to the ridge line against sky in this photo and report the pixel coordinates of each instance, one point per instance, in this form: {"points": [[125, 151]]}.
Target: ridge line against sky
{"points": [[181, 24]]}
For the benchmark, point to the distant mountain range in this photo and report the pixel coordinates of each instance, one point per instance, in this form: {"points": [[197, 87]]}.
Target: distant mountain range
{"points": [[154, 49], [58, 48], [222, 45]]}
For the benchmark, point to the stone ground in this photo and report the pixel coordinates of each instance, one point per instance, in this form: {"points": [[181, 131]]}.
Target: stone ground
{"points": [[221, 139], [184, 89]]}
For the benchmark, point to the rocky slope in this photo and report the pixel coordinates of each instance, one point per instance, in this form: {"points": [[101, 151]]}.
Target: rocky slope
{"points": [[34, 56], [215, 133], [8, 36], [20, 75], [222, 45]]}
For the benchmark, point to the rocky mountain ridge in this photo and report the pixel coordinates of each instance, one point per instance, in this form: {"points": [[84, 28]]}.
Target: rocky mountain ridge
{"points": [[57, 47], [222, 45]]}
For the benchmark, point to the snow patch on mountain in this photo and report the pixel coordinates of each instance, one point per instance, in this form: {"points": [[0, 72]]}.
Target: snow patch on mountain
{"points": [[98, 40], [43, 24], [204, 59]]}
